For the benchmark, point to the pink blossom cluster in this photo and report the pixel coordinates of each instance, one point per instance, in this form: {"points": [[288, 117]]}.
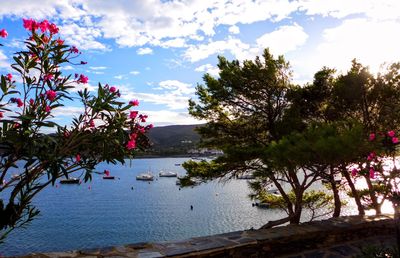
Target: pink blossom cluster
{"points": [[44, 26], [132, 141], [3, 33], [81, 78]]}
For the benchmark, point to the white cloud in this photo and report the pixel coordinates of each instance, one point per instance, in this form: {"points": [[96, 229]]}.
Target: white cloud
{"points": [[82, 86], [172, 101], [176, 43], [120, 77], [174, 94], [166, 117], [208, 68], [96, 72], [202, 51], [234, 29], [134, 72], [84, 38], [372, 42], [68, 67], [4, 60], [69, 111], [381, 10], [177, 87], [137, 23], [144, 51], [283, 40], [97, 67]]}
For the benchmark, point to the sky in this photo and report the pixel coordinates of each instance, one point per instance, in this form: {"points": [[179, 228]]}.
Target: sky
{"points": [[157, 51]]}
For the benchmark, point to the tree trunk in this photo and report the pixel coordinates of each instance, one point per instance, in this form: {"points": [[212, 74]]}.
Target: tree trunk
{"points": [[336, 198], [356, 197], [274, 223], [372, 195]]}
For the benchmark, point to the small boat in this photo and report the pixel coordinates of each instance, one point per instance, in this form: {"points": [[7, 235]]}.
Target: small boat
{"points": [[167, 174], [177, 164], [72, 180], [145, 177], [246, 176], [107, 175]]}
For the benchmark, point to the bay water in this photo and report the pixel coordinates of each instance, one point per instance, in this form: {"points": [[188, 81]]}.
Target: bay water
{"points": [[104, 213]]}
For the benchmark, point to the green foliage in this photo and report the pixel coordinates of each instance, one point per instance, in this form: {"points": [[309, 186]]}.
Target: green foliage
{"points": [[104, 131], [288, 135], [313, 200]]}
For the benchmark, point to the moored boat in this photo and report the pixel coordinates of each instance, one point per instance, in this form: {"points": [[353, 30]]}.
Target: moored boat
{"points": [[167, 174], [107, 175], [145, 177], [72, 180]]}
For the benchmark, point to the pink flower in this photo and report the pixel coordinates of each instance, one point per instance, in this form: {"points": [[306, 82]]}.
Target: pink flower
{"points": [[31, 102], [395, 140], [391, 133], [143, 118], [3, 33], [47, 108], [9, 76], [1, 114], [53, 28], [150, 126], [47, 77], [60, 42], [371, 156], [354, 172], [134, 102], [113, 89], [44, 25], [133, 114], [131, 145], [45, 39], [91, 123], [74, 50], [83, 79], [371, 137], [107, 172], [133, 136], [19, 102], [78, 158], [30, 24], [372, 173], [66, 134], [51, 95]]}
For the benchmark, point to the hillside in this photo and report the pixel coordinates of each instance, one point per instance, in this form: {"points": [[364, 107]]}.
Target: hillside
{"points": [[173, 140]]}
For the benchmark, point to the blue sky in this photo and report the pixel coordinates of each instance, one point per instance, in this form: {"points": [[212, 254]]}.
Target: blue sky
{"points": [[158, 50]]}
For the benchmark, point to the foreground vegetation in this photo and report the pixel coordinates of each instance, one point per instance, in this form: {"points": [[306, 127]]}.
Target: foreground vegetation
{"points": [[31, 158], [291, 137]]}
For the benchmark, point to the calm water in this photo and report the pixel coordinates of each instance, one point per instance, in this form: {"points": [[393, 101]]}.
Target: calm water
{"points": [[110, 212]]}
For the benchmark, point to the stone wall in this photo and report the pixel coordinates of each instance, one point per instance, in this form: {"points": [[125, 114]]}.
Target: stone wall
{"points": [[339, 237]]}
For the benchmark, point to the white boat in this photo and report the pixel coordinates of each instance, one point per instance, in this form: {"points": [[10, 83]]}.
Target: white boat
{"points": [[145, 177], [246, 176], [71, 180], [167, 174]]}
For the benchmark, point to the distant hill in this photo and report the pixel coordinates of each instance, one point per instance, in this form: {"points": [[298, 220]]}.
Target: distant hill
{"points": [[173, 140]]}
